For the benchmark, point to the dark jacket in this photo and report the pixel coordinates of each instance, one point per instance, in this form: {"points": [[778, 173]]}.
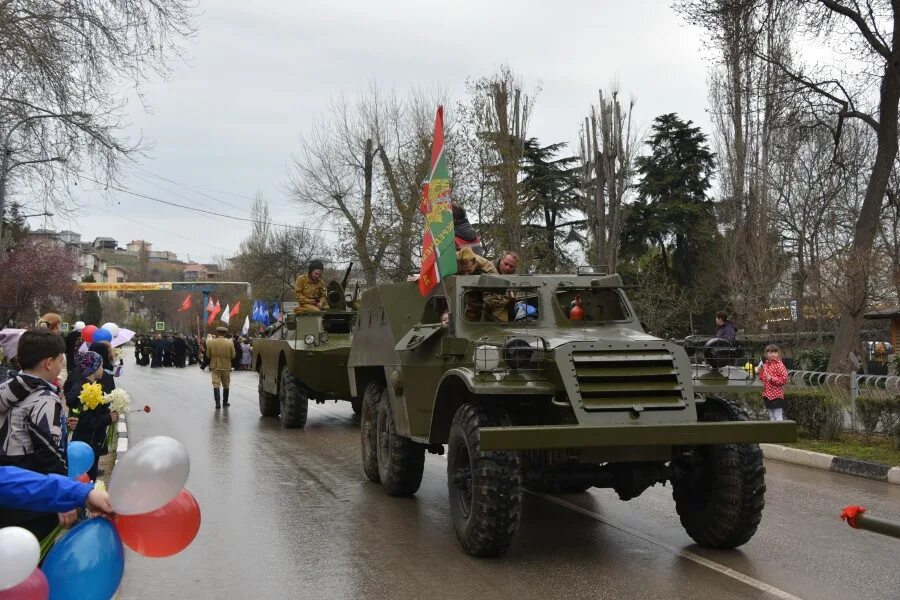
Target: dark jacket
{"points": [[107, 382], [73, 342], [463, 229], [728, 331]]}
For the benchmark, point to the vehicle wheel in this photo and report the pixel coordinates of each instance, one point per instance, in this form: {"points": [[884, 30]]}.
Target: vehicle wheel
{"points": [[268, 403], [293, 400], [368, 429], [400, 460], [720, 490], [485, 488], [356, 405]]}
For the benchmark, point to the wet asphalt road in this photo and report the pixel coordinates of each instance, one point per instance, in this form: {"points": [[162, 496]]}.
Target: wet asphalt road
{"points": [[289, 514]]}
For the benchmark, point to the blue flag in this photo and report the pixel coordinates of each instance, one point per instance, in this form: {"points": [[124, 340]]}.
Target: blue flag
{"points": [[256, 315], [263, 313], [276, 314]]}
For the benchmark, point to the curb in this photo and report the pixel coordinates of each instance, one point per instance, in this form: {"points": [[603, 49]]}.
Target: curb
{"points": [[122, 443], [835, 464]]}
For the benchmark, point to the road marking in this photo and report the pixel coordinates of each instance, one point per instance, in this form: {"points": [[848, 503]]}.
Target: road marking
{"points": [[700, 560]]}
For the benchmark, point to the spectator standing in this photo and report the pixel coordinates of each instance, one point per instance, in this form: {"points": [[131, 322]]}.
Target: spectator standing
{"points": [[725, 329], [32, 426], [245, 354], [774, 377]]}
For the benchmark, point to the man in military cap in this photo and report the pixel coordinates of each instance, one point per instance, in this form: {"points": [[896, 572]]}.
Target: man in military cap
{"points": [[220, 351], [309, 290]]}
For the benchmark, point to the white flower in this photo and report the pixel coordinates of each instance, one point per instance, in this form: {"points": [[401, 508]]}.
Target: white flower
{"points": [[118, 400]]}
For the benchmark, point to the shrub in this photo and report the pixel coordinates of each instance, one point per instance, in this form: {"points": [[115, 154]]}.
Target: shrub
{"points": [[869, 411], [817, 413], [815, 360], [890, 420]]}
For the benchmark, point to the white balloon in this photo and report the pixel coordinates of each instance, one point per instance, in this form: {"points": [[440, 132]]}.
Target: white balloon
{"points": [[79, 325], [150, 475], [112, 328], [19, 555]]}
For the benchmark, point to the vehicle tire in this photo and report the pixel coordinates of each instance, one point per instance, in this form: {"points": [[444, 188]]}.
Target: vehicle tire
{"points": [[484, 488], [356, 405], [368, 429], [268, 403], [293, 401], [719, 491], [400, 460]]}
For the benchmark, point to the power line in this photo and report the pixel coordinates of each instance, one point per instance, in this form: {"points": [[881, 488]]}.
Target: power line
{"points": [[172, 233], [195, 188], [185, 187], [200, 210]]}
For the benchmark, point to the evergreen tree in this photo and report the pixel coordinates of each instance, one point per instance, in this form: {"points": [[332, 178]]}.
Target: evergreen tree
{"points": [[549, 190], [93, 312], [673, 213]]}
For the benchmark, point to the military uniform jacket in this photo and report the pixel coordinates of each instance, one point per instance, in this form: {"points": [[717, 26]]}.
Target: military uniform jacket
{"points": [[307, 292], [220, 352]]}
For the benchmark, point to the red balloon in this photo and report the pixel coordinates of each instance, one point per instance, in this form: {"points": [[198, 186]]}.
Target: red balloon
{"points": [[35, 587], [83, 478], [163, 532], [87, 334]]}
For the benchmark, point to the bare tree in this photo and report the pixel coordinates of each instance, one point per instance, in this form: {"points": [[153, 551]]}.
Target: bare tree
{"points": [[63, 69], [608, 149]]}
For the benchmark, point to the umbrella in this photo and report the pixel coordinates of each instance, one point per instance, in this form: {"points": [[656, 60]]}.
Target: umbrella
{"points": [[9, 341], [124, 337]]}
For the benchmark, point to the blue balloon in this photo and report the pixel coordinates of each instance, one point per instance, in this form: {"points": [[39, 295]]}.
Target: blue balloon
{"points": [[87, 563], [81, 458], [102, 335]]}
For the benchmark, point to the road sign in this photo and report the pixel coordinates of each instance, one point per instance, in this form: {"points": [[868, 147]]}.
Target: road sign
{"points": [[160, 326]]}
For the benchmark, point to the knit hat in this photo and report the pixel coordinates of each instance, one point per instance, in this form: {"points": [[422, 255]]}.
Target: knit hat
{"points": [[316, 265], [79, 325], [88, 362]]}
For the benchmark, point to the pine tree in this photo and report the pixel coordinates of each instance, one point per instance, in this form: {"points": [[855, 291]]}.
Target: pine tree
{"points": [[673, 212], [93, 312], [548, 187]]}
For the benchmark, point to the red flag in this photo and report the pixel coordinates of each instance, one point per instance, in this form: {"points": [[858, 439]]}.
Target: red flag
{"points": [[186, 304], [214, 313], [234, 311]]}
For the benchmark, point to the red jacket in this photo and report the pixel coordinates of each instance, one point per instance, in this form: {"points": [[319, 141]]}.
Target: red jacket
{"points": [[774, 377]]}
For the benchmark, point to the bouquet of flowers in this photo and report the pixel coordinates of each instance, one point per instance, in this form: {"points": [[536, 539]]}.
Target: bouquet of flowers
{"points": [[118, 400], [91, 396]]}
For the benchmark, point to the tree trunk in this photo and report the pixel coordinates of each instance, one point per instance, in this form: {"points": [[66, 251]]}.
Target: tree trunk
{"points": [[855, 297]]}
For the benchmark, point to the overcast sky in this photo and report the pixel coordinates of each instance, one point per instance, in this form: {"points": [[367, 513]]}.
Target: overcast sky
{"points": [[258, 73]]}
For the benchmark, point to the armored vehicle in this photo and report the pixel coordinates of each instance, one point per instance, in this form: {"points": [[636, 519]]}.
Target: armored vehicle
{"points": [[305, 358], [525, 390]]}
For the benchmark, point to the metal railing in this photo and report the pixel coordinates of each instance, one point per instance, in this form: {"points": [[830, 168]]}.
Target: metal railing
{"points": [[846, 387]]}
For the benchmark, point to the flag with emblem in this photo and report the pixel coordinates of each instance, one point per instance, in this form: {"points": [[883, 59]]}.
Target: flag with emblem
{"points": [[438, 247]]}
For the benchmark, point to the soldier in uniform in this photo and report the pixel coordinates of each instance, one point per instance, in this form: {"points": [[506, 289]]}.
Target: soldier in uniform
{"points": [[309, 290], [492, 305], [220, 352]]}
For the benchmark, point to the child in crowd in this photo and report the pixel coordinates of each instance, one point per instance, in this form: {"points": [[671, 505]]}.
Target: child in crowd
{"points": [[774, 377], [32, 426], [92, 423]]}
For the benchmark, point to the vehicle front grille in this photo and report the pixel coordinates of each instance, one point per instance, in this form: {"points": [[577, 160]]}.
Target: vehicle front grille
{"points": [[626, 379]]}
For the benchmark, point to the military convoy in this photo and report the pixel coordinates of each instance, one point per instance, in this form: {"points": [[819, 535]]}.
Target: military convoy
{"points": [[552, 398]]}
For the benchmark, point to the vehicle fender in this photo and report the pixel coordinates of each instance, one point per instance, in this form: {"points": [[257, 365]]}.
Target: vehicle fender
{"points": [[454, 389]]}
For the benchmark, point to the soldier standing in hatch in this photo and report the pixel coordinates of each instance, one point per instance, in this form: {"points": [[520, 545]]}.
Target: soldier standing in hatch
{"points": [[309, 290], [220, 351]]}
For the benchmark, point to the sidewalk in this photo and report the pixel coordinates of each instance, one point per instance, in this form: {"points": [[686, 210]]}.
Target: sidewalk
{"points": [[836, 464]]}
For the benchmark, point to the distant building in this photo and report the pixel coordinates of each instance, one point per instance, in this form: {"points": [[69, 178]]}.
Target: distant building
{"points": [[115, 274], [136, 245], [70, 237], [134, 248], [104, 243]]}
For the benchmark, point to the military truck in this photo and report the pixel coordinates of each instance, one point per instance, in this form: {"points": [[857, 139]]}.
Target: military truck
{"points": [[305, 358], [550, 398]]}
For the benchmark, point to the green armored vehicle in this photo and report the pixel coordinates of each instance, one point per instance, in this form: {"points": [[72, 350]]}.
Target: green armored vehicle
{"points": [[305, 358], [553, 398]]}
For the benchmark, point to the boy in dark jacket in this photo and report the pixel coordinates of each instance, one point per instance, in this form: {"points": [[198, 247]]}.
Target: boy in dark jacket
{"points": [[32, 425]]}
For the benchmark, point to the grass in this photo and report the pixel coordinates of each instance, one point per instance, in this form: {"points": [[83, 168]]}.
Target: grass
{"points": [[880, 449]]}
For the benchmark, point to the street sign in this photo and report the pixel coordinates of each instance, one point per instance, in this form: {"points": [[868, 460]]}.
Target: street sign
{"points": [[160, 326], [794, 313], [64, 326]]}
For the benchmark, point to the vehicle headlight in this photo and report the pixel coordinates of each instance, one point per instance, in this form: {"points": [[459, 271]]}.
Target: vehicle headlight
{"points": [[323, 337], [487, 358], [517, 353], [310, 340]]}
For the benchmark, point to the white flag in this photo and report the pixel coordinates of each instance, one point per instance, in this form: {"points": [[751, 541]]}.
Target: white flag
{"points": [[226, 317], [246, 328]]}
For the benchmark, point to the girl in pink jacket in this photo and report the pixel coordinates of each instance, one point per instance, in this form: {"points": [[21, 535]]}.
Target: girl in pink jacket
{"points": [[774, 377]]}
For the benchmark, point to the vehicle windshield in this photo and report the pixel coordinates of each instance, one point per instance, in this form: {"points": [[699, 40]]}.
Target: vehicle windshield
{"points": [[598, 304], [501, 305]]}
